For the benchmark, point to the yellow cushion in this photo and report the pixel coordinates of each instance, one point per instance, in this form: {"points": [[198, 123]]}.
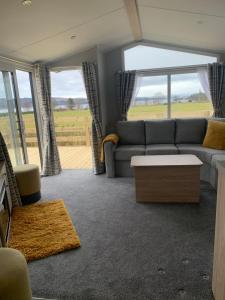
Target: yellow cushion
{"points": [[215, 135]]}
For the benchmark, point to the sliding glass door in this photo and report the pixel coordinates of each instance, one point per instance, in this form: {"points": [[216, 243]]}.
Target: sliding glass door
{"points": [[28, 116], [18, 117], [9, 122]]}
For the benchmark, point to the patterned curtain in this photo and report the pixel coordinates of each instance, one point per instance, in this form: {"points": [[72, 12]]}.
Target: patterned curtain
{"points": [[91, 86], [216, 75], [4, 156], [51, 163], [125, 85]]}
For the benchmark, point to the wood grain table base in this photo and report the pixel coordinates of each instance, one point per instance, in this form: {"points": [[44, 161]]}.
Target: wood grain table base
{"points": [[179, 184]]}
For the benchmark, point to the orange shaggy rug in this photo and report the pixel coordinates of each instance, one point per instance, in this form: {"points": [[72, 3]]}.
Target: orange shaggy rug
{"points": [[41, 230]]}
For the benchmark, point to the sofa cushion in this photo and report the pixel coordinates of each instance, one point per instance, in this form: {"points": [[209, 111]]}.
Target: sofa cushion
{"points": [[190, 131], [160, 132], [125, 152], [204, 154], [215, 135], [131, 132], [161, 149]]}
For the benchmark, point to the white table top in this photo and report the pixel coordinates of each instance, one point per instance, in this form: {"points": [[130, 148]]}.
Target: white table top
{"points": [[165, 160]]}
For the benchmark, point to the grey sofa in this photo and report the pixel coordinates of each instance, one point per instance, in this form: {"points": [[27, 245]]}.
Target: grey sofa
{"points": [[161, 137]]}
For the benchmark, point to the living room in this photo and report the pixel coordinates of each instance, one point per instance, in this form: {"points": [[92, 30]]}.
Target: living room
{"points": [[112, 149]]}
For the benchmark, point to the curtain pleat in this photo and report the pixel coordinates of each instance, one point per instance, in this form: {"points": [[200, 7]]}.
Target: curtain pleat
{"points": [[125, 85], [51, 162], [91, 86], [216, 76], [4, 156]]}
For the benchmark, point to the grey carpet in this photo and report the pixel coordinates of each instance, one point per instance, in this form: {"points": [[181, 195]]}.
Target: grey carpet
{"points": [[129, 250]]}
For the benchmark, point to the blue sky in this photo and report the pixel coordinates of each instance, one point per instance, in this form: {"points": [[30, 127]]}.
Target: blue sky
{"points": [[144, 57]]}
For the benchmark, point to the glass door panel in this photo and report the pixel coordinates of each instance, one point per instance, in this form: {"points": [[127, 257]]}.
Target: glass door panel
{"points": [[28, 115], [9, 118]]}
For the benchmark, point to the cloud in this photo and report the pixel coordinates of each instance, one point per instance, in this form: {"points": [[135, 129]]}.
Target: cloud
{"points": [[63, 84], [23, 80], [68, 84], [181, 84]]}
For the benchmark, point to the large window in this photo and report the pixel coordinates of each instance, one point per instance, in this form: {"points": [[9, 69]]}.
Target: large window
{"points": [[168, 83], [169, 96]]}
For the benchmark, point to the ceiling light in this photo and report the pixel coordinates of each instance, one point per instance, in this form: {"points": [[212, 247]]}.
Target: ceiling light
{"points": [[27, 2], [73, 37]]}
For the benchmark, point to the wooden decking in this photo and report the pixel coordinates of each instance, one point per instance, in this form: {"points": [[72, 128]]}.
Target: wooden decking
{"points": [[77, 157]]}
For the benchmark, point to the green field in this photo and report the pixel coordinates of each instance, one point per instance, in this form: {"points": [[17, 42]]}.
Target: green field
{"points": [[73, 127], [188, 109]]}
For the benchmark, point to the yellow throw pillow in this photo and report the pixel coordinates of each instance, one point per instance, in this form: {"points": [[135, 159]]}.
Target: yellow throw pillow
{"points": [[215, 135]]}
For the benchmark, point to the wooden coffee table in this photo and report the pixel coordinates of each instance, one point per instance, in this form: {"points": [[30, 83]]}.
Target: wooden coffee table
{"points": [[167, 178]]}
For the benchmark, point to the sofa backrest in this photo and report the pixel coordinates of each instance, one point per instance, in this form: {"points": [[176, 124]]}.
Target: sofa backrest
{"points": [[190, 131], [131, 132], [160, 132], [171, 131]]}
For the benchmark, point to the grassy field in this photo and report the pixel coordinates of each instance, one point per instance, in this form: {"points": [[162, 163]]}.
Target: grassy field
{"points": [[73, 127], [189, 109]]}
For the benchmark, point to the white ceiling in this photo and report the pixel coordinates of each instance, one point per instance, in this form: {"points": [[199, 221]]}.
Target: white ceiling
{"points": [[192, 23], [43, 30]]}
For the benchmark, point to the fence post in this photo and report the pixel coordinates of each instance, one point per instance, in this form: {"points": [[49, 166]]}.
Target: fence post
{"points": [[87, 135]]}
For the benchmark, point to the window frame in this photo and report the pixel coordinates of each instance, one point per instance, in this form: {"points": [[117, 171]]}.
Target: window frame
{"points": [[168, 72]]}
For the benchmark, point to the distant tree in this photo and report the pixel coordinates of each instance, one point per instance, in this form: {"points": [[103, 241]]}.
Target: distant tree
{"points": [[158, 98], [70, 103], [198, 97], [78, 101]]}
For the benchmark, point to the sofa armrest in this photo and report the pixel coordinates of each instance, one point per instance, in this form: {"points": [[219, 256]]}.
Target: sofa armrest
{"points": [[109, 148], [214, 172]]}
